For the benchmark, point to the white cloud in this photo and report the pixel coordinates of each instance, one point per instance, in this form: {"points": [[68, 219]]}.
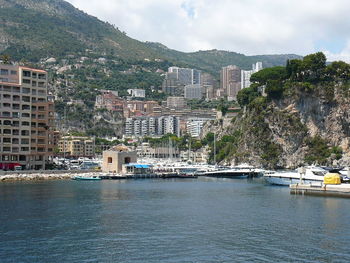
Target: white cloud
{"points": [[245, 26]]}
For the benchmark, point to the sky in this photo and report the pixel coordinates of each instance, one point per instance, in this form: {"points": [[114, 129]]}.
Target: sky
{"points": [[250, 27]]}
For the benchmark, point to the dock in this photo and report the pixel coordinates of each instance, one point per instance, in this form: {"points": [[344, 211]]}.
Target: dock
{"points": [[323, 189]]}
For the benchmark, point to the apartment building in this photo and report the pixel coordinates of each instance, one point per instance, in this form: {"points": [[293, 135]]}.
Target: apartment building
{"points": [[152, 126], [186, 76], [231, 81], [77, 146], [246, 74], [195, 126], [26, 118], [193, 92]]}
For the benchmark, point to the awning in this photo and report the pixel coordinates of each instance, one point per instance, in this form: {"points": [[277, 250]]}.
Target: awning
{"points": [[145, 166]]}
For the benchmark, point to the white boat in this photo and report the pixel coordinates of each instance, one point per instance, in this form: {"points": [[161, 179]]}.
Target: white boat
{"points": [[313, 175], [240, 171]]}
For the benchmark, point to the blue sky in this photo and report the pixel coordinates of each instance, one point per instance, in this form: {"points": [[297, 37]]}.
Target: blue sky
{"points": [[245, 26]]}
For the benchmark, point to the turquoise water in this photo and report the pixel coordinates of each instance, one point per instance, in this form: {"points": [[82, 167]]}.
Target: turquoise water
{"points": [[204, 220]]}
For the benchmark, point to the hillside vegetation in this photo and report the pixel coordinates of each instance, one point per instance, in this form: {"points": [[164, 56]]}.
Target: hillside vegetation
{"points": [[36, 29], [303, 118]]}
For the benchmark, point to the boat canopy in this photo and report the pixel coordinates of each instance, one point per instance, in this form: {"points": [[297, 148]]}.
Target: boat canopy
{"points": [[136, 165]]}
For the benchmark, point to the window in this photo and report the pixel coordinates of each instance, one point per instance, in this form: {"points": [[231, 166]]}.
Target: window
{"points": [[7, 140], [5, 157], [25, 133], [110, 160], [25, 107], [42, 76], [25, 90], [25, 115], [4, 72], [26, 73], [15, 106], [26, 81], [26, 98], [13, 72], [16, 89]]}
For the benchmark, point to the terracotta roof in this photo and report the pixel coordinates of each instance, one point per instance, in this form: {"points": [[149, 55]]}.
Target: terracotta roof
{"points": [[33, 69]]}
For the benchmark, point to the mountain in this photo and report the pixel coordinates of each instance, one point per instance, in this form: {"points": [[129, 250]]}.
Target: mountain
{"points": [[36, 29], [213, 60]]}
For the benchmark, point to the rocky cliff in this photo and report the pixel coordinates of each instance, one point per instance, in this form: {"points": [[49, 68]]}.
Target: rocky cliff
{"points": [[308, 124]]}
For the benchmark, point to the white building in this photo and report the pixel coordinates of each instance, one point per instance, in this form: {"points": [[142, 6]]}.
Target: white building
{"points": [[152, 126], [195, 126], [246, 74], [137, 93]]}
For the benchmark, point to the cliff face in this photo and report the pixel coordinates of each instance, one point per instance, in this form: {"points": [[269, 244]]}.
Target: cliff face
{"points": [[286, 132]]}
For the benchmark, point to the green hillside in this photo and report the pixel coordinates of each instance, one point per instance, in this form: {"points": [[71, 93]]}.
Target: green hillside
{"points": [[35, 29]]}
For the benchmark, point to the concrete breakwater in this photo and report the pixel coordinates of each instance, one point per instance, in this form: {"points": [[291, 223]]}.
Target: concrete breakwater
{"points": [[44, 175]]}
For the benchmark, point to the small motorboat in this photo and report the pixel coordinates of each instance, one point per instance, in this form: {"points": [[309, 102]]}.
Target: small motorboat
{"points": [[86, 178]]}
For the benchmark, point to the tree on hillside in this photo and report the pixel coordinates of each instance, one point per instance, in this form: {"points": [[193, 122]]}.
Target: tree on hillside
{"points": [[264, 75], [338, 70], [313, 66], [5, 59]]}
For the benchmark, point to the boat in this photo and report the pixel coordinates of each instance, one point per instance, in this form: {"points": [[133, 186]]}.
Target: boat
{"points": [[313, 175], [87, 178], [240, 171]]}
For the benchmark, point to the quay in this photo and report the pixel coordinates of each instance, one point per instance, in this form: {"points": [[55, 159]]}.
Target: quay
{"points": [[323, 189]]}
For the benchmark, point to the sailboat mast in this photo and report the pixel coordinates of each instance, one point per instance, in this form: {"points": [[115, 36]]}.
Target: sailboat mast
{"points": [[214, 148]]}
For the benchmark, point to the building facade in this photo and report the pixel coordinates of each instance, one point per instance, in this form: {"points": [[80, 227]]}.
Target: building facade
{"points": [[176, 102], [152, 126], [246, 74], [230, 78], [77, 146], [109, 100], [195, 126], [193, 92], [26, 118], [137, 93]]}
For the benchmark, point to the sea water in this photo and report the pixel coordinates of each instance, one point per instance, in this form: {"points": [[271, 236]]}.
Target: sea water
{"points": [[174, 220]]}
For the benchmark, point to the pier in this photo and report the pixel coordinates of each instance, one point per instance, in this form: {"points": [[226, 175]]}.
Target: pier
{"points": [[323, 189]]}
